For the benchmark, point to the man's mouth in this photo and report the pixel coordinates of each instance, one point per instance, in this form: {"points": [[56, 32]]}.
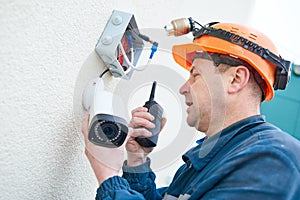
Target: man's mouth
{"points": [[189, 103]]}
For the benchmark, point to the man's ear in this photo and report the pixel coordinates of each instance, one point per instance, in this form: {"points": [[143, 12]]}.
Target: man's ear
{"points": [[240, 76]]}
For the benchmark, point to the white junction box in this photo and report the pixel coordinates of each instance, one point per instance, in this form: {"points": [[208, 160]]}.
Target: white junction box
{"points": [[120, 46]]}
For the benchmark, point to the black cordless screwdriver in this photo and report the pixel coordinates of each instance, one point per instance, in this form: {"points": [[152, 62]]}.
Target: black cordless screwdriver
{"points": [[156, 111]]}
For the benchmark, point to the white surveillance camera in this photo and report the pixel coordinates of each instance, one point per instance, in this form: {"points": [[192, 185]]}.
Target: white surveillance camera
{"points": [[105, 128]]}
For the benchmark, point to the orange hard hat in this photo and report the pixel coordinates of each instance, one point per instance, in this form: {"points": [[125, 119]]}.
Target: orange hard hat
{"points": [[212, 44]]}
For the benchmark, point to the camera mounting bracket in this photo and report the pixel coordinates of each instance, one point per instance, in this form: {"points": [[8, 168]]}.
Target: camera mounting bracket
{"points": [[88, 93]]}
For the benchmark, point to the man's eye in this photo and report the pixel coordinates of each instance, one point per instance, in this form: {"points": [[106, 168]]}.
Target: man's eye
{"points": [[196, 75]]}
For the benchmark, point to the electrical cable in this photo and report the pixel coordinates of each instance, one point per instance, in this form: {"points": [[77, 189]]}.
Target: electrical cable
{"points": [[153, 50], [103, 73], [129, 37], [199, 24], [127, 60], [130, 62]]}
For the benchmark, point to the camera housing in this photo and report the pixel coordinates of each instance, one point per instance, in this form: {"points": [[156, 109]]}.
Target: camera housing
{"points": [[105, 128]]}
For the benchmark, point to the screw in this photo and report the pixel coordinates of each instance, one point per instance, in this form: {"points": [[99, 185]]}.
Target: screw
{"points": [[117, 20]]}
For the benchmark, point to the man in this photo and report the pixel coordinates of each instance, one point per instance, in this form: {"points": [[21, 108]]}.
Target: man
{"points": [[232, 70]]}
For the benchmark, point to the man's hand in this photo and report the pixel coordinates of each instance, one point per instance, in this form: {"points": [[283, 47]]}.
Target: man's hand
{"points": [[106, 162], [140, 120]]}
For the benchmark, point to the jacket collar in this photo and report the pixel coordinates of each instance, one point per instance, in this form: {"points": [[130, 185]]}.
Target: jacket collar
{"points": [[200, 155]]}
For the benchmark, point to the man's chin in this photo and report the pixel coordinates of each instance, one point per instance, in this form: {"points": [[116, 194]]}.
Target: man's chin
{"points": [[191, 123]]}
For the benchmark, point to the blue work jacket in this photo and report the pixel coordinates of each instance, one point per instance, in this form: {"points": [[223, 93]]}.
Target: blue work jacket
{"points": [[250, 159]]}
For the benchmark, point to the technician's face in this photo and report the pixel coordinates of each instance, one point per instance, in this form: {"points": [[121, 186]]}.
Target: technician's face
{"points": [[204, 95]]}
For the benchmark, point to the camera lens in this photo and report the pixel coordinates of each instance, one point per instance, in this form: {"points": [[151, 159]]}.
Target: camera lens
{"points": [[107, 131]]}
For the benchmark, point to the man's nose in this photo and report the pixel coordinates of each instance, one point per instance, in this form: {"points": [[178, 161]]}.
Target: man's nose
{"points": [[185, 88]]}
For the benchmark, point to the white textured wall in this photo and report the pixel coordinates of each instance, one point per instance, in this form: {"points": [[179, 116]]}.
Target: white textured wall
{"points": [[43, 45]]}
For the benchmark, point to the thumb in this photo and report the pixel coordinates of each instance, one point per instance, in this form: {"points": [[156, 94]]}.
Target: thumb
{"points": [[85, 127], [163, 123]]}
